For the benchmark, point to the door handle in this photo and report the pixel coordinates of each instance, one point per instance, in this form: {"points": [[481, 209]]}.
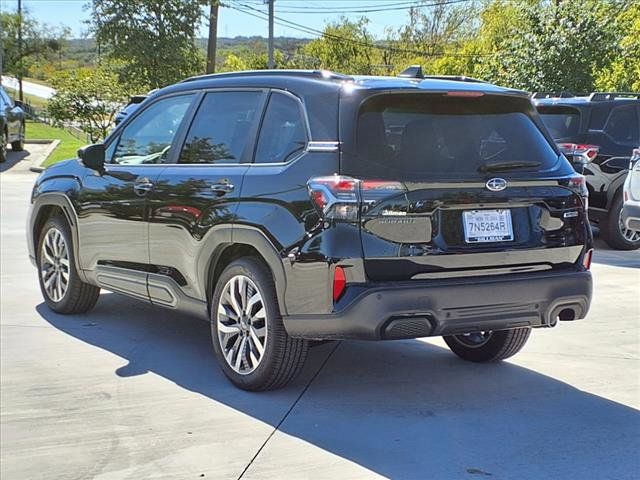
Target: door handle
{"points": [[142, 186], [223, 187]]}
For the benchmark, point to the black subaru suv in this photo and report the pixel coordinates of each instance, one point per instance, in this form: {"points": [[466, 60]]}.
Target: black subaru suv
{"points": [[292, 206], [598, 133]]}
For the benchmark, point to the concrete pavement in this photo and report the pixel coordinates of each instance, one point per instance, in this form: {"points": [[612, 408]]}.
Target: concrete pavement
{"points": [[30, 88], [132, 391]]}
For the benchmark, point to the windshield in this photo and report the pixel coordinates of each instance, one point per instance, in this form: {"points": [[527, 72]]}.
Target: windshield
{"points": [[403, 135], [562, 122]]}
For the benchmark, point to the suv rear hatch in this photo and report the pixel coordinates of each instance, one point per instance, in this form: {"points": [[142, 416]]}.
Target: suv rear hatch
{"points": [[458, 184]]}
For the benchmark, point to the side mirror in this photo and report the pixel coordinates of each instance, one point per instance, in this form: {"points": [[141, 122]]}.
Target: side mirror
{"points": [[92, 156]]}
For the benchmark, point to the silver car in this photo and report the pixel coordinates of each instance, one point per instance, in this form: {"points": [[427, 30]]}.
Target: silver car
{"points": [[630, 216]]}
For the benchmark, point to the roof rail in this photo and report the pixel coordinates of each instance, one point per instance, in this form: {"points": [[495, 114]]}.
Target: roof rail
{"points": [[560, 94], [603, 96], [415, 71], [321, 74]]}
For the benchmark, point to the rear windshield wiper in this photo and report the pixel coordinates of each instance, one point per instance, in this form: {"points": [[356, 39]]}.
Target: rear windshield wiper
{"points": [[502, 166]]}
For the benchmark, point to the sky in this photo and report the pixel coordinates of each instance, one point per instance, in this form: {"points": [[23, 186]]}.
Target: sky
{"points": [[231, 23]]}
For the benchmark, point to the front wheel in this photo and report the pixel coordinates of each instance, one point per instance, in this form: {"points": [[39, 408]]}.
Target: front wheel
{"points": [[249, 339], [60, 283], [488, 346]]}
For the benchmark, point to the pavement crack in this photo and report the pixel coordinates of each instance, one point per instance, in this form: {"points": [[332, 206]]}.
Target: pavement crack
{"points": [[288, 412]]}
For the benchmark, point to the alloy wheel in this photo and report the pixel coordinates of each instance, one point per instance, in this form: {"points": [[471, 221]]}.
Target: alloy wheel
{"points": [[628, 234], [242, 324], [474, 340], [54, 264]]}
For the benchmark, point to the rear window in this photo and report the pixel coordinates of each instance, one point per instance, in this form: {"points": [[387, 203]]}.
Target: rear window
{"points": [[562, 122], [403, 135]]}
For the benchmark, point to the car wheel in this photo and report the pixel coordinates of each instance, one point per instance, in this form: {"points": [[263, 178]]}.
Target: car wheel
{"points": [[249, 339], [3, 148], [615, 233], [488, 346], [61, 286], [18, 145]]}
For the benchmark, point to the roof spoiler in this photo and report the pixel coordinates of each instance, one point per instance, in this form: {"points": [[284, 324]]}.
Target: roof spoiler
{"points": [[415, 71]]}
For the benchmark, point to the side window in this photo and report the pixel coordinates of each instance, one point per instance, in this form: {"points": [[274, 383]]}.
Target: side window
{"points": [[5, 100], [147, 139], [220, 129], [283, 133], [623, 125]]}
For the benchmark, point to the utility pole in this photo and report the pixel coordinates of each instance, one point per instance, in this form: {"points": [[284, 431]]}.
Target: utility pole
{"points": [[20, 95], [271, 63], [213, 36]]}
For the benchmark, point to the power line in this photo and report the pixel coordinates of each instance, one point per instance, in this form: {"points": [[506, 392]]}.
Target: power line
{"points": [[302, 28], [367, 8]]}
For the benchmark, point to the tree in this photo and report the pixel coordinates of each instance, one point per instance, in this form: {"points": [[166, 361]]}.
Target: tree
{"points": [[346, 46], [90, 97], [553, 45], [38, 41], [155, 38], [623, 73]]}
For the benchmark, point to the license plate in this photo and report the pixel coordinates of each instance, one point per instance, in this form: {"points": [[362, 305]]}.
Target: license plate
{"points": [[487, 226]]}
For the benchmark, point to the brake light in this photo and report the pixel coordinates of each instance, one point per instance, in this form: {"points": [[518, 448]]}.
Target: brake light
{"points": [[462, 93], [578, 183], [339, 197], [339, 283], [581, 152], [586, 260]]}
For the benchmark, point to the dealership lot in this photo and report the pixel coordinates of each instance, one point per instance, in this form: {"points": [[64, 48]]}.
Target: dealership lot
{"points": [[132, 391]]}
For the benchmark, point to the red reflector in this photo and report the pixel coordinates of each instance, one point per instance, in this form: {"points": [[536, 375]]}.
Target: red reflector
{"points": [[586, 261], [339, 283], [462, 93]]}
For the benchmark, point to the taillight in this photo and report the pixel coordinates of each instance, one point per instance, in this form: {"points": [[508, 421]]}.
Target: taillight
{"points": [[339, 197], [578, 183], [586, 260], [579, 152], [339, 283]]}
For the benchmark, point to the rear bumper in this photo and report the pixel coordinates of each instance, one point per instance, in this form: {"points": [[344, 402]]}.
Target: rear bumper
{"points": [[631, 215], [433, 308]]}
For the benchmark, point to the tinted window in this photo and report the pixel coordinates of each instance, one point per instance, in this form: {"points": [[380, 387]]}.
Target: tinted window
{"points": [[401, 136], [5, 100], [562, 122], [282, 134], [221, 128], [147, 139], [623, 126]]}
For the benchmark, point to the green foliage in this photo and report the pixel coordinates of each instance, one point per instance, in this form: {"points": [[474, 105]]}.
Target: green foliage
{"points": [[355, 55], [555, 46], [88, 97], [66, 149], [623, 73], [155, 39], [40, 43]]}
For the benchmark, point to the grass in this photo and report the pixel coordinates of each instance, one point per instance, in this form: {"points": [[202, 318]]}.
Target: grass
{"points": [[66, 149], [36, 102]]}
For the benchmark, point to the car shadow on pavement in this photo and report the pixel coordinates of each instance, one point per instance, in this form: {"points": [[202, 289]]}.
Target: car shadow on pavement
{"points": [[13, 158], [606, 255], [403, 409]]}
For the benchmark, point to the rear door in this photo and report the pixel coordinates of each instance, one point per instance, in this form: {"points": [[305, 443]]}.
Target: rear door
{"points": [[193, 198], [455, 184]]}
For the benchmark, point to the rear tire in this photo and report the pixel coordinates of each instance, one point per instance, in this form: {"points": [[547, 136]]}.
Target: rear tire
{"points": [[62, 289], [491, 347], [614, 233], [3, 148], [250, 342]]}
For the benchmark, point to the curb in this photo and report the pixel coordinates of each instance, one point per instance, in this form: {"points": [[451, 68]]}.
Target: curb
{"points": [[52, 146]]}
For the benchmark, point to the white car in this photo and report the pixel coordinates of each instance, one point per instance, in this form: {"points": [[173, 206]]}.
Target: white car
{"points": [[630, 216]]}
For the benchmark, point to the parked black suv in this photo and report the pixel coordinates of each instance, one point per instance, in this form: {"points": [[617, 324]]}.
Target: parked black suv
{"points": [[598, 133], [290, 206]]}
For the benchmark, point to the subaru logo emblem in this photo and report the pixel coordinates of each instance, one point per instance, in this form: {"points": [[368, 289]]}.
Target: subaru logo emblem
{"points": [[496, 184]]}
